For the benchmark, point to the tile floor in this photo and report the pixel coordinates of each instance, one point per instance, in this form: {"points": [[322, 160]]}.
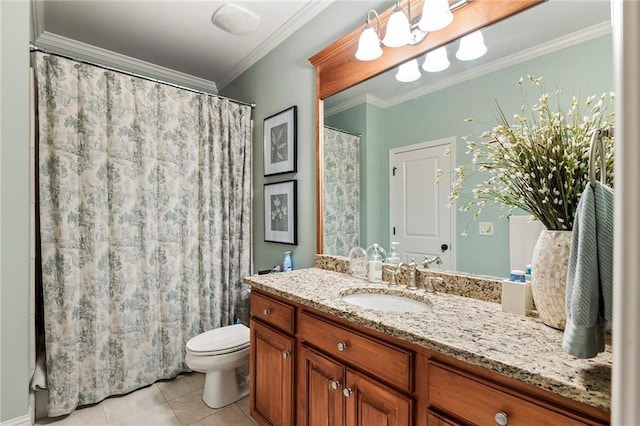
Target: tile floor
{"points": [[166, 403]]}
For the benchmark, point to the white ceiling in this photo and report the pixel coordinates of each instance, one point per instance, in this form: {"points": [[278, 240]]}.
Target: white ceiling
{"points": [[175, 34]]}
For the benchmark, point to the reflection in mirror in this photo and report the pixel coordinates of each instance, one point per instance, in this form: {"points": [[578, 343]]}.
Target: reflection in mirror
{"points": [[341, 160], [572, 52]]}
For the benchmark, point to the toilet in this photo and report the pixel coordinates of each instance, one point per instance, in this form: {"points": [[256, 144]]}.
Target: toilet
{"points": [[219, 353]]}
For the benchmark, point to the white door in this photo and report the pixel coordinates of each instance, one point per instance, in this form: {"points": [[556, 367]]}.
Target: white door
{"points": [[419, 187]]}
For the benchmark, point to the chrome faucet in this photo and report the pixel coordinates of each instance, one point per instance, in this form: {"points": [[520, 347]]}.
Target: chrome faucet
{"points": [[426, 263], [411, 285]]}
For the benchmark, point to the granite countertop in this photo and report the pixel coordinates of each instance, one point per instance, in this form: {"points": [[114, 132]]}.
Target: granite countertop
{"points": [[471, 330]]}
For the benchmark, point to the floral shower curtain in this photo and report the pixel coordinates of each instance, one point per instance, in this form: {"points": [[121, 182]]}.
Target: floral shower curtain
{"points": [[145, 226], [341, 198]]}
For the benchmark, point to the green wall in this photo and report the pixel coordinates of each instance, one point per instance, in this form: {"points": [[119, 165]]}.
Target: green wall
{"points": [[14, 208], [283, 78], [441, 114]]}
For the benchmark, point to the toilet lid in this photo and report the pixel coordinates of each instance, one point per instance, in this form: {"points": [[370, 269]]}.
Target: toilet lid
{"points": [[220, 340]]}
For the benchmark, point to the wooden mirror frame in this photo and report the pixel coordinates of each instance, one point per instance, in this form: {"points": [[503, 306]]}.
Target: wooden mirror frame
{"points": [[337, 68]]}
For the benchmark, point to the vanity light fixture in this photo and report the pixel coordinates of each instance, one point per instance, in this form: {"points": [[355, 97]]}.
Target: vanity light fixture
{"points": [[402, 30], [436, 60], [408, 71], [471, 47], [369, 42]]}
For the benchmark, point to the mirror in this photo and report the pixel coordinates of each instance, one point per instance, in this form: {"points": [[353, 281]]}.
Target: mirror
{"points": [[572, 51]]}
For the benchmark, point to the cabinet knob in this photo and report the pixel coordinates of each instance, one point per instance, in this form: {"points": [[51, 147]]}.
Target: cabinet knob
{"points": [[347, 392], [285, 354], [267, 311], [342, 346], [501, 418], [335, 384]]}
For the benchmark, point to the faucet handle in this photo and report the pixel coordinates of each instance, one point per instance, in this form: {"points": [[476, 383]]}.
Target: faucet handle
{"points": [[430, 286], [426, 263], [393, 282]]}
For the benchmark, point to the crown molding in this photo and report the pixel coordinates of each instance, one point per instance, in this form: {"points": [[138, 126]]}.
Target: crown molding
{"points": [[71, 47], [572, 39], [360, 99], [304, 15]]}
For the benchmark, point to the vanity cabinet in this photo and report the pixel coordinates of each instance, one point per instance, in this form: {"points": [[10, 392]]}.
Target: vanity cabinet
{"points": [[272, 358], [309, 368]]}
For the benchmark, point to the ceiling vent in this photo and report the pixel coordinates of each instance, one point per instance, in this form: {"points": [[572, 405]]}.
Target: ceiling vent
{"points": [[235, 19]]}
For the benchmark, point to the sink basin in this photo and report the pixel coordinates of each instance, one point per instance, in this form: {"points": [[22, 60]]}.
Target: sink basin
{"points": [[386, 302]]}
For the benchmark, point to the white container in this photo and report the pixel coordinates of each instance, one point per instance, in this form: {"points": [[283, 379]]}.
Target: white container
{"points": [[377, 255], [393, 257], [517, 297], [375, 271]]}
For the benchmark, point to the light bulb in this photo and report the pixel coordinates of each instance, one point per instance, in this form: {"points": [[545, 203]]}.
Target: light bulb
{"points": [[398, 29], [408, 71], [436, 60], [471, 47], [368, 45], [435, 15]]}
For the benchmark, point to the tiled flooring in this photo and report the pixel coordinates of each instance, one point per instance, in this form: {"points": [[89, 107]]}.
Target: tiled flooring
{"points": [[173, 402]]}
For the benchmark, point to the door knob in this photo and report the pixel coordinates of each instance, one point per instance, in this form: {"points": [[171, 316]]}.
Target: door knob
{"points": [[342, 346], [347, 392], [285, 355], [267, 311], [335, 384], [444, 247]]}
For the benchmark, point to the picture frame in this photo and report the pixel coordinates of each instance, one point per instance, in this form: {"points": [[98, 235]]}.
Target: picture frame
{"points": [[280, 133], [280, 212]]}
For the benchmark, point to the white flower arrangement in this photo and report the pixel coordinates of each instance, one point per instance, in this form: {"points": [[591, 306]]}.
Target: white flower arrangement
{"points": [[539, 163]]}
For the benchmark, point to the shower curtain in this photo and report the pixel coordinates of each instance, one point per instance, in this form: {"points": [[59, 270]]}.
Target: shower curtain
{"points": [[341, 193], [145, 226]]}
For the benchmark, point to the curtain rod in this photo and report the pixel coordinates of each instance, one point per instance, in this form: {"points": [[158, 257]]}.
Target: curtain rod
{"points": [[344, 131], [34, 48]]}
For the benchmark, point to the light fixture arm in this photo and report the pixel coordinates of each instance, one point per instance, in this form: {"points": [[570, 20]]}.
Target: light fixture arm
{"points": [[377, 21], [408, 9]]}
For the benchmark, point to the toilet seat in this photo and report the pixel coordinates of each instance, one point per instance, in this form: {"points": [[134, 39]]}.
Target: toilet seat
{"points": [[220, 341]]}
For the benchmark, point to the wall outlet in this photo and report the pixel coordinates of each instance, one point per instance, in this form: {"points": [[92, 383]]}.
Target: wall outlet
{"points": [[485, 228]]}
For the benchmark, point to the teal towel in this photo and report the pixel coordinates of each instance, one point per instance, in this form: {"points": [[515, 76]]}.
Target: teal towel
{"points": [[589, 294]]}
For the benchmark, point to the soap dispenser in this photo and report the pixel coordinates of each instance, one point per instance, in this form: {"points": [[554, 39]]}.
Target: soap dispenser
{"points": [[287, 265], [393, 257], [376, 255]]}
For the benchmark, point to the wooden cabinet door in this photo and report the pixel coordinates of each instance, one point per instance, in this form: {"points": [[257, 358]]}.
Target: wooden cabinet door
{"points": [[321, 402], [271, 370], [435, 419], [369, 403]]}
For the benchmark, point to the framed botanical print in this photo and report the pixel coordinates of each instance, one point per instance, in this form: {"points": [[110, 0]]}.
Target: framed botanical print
{"points": [[280, 212], [280, 140]]}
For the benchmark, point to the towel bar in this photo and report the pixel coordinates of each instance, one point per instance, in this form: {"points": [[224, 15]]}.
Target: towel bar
{"points": [[597, 142]]}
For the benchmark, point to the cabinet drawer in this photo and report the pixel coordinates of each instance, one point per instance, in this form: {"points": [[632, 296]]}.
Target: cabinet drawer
{"points": [[270, 311], [477, 403], [388, 363]]}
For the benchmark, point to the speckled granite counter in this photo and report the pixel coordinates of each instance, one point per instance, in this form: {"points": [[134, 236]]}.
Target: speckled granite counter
{"points": [[471, 330]]}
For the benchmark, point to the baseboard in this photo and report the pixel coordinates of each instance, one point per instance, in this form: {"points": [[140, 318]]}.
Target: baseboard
{"points": [[18, 421]]}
